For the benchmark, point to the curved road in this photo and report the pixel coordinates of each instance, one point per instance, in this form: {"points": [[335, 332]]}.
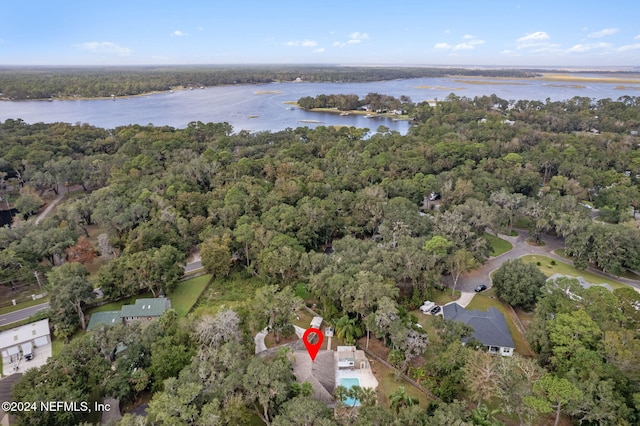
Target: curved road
{"points": [[468, 282]]}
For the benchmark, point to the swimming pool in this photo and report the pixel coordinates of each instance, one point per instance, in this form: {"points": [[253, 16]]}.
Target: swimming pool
{"points": [[349, 383]]}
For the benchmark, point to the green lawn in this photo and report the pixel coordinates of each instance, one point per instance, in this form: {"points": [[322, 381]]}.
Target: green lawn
{"points": [[498, 245], [565, 269], [485, 300], [232, 292], [387, 384], [442, 297], [187, 292]]}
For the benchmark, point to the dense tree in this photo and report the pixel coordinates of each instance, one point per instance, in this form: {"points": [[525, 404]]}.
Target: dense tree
{"points": [[267, 385], [70, 291], [216, 256], [553, 394], [275, 309], [518, 283]]}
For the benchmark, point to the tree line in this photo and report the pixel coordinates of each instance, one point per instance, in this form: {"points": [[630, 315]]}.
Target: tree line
{"points": [[49, 82]]}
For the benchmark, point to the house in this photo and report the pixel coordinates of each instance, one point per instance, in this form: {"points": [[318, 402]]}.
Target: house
{"points": [[143, 310], [25, 347], [347, 366], [489, 328]]}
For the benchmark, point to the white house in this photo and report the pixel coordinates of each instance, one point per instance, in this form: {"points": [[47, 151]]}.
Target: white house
{"points": [[25, 343]]}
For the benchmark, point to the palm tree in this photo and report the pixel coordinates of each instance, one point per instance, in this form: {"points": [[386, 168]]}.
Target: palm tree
{"points": [[368, 397], [400, 398], [348, 329], [483, 416]]}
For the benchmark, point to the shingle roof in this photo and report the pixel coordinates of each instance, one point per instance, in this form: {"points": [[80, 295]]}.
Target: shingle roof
{"points": [[489, 327], [320, 373], [146, 308], [106, 318]]}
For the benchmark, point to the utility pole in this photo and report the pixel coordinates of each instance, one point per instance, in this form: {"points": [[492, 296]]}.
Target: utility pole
{"points": [[37, 275]]}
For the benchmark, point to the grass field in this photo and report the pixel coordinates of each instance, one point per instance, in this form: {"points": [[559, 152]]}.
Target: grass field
{"points": [[498, 245], [187, 292], [549, 269], [387, 384], [232, 292]]}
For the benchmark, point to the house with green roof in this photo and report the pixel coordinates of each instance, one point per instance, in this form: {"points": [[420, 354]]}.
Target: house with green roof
{"points": [[143, 310]]}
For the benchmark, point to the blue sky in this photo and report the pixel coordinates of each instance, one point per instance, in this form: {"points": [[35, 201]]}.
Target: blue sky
{"points": [[136, 32]]}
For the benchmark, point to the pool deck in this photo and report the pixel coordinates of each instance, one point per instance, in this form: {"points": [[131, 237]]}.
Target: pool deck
{"points": [[365, 376]]}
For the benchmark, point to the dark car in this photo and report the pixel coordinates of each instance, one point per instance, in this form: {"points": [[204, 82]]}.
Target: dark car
{"points": [[435, 310], [480, 288]]}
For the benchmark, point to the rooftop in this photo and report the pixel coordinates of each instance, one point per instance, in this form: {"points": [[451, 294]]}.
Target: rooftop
{"points": [[490, 327], [24, 333], [152, 307], [107, 318]]}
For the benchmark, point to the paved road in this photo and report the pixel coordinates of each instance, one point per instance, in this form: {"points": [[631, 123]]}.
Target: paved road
{"points": [[194, 266], [22, 314], [469, 281], [25, 313]]}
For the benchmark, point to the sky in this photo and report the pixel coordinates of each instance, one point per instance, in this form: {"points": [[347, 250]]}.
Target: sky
{"points": [[580, 33]]}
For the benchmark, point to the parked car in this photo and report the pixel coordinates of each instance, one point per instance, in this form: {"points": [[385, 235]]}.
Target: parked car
{"points": [[480, 288], [436, 310], [427, 306]]}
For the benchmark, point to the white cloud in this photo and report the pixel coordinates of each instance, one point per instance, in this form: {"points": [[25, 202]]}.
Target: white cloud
{"points": [[354, 38], [442, 46], [603, 33], [301, 43], [468, 37], [581, 48], [447, 31], [468, 45], [534, 37], [637, 37], [178, 33], [359, 36], [537, 42], [629, 47], [318, 50], [105, 47]]}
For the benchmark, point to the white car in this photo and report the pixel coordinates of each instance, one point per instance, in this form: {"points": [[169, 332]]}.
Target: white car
{"points": [[427, 306]]}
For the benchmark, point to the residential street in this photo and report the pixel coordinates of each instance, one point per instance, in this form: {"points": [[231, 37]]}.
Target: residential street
{"points": [[521, 247], [22, 314]]}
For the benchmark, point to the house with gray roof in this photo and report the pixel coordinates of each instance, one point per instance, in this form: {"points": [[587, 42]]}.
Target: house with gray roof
{"points": [[143, 310], [489, 327]]}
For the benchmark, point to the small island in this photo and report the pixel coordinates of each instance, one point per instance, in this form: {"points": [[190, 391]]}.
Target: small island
{"points": [[372, 105]]}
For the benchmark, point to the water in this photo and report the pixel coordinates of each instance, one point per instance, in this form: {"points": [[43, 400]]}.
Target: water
{"points": [[262, 107], [349, 383]]}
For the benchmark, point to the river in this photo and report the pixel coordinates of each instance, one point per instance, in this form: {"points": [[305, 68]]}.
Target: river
{"points": [[262, 107]]}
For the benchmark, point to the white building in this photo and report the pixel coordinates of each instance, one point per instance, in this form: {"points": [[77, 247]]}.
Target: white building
{"points": [[25, 347]]}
